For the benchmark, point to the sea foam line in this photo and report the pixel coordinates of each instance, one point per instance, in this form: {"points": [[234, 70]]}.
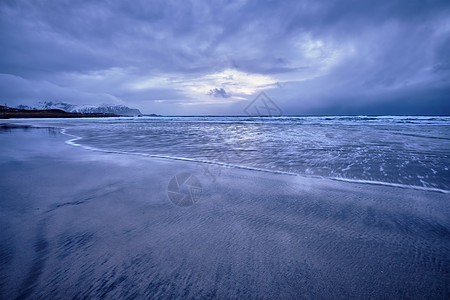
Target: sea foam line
{"points": [[398, 185], [75, 138]]}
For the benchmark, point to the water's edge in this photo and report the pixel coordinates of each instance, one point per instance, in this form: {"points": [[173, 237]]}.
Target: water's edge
{"points": [[74, 141]]}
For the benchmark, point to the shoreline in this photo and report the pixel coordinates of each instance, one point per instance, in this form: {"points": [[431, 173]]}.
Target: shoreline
{"points": [[75, 138], [228, 165]]}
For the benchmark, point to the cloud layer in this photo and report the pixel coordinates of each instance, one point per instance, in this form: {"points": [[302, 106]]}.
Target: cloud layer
{"points": [[211, 57]]}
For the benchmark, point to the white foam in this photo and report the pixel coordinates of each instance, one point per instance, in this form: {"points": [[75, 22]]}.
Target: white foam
{"points": [[398, 185]]}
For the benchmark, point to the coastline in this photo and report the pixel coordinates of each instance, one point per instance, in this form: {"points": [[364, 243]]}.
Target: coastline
{"points": [[74, 138], [16, 113], [80, 223]]}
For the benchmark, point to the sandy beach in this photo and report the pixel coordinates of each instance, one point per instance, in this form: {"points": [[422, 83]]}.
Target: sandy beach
{"points": [[77, 223]]}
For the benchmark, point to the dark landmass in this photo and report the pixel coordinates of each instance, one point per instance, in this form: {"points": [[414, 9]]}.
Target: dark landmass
{"points": [[150, 115], [9, 112]]}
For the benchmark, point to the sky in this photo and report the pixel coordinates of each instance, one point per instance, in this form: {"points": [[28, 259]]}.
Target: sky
{"points": [[346, 57]]}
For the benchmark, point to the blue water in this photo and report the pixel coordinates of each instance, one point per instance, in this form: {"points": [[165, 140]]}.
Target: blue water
{"points": [[411, 151]]}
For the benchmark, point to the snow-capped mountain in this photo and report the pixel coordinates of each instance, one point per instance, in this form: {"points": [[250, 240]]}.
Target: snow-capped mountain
{"points": [[120, 110]]}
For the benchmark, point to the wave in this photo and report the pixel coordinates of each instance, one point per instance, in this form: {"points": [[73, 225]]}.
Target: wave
{"points": [[73, 142]]}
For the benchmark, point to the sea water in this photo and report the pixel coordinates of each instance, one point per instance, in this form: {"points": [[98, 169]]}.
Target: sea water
{"points": [[408, 151]]}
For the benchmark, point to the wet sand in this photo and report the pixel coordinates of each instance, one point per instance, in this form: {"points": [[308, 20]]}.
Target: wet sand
{"points": [[77, 223]]}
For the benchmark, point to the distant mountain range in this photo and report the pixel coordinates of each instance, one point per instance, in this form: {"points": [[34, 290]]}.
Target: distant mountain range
{"points": [[14, 113], [119, 110]]}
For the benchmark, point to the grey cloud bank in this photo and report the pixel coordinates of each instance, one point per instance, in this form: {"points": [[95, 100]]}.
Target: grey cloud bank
{"points": [[201, 57]]}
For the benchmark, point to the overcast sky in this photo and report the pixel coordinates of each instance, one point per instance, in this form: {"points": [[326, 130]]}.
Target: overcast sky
{"points": [[213, 57]]}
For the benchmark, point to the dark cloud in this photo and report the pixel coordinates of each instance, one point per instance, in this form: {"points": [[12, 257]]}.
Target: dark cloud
{"points": [[218, 93], [323, 52]]}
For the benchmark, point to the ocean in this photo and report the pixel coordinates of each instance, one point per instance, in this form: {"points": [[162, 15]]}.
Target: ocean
{"points": [[405, 151]]}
